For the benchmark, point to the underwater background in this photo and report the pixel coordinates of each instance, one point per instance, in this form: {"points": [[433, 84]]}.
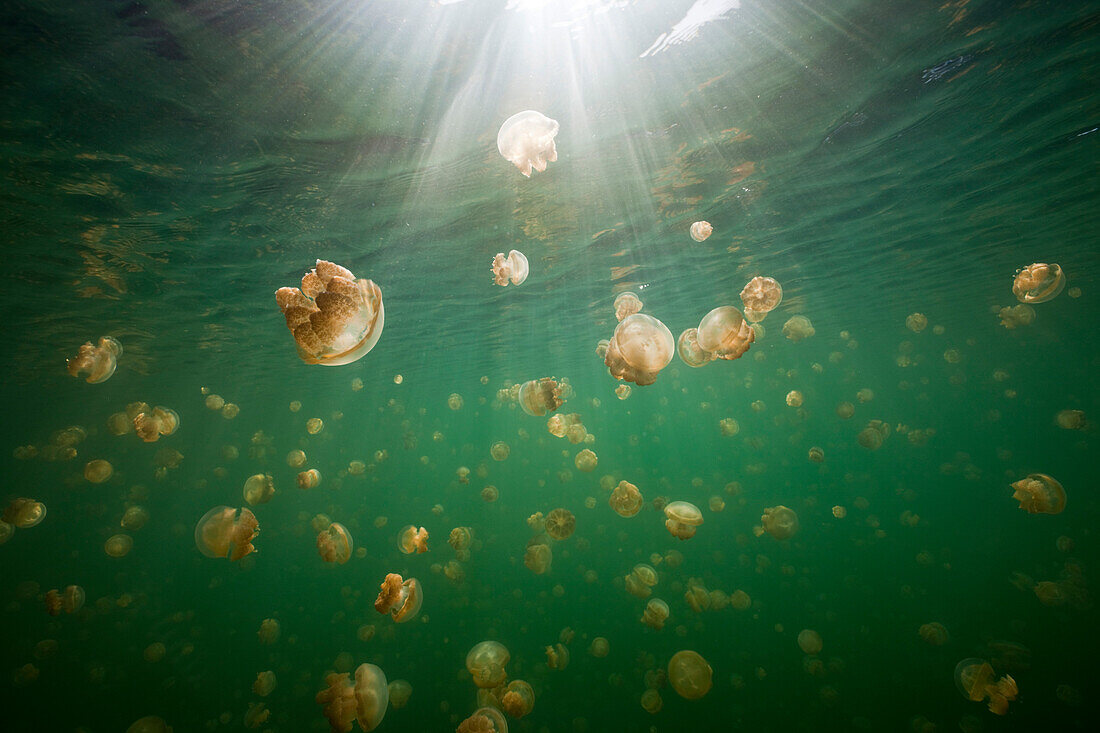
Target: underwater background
{"points": [[168, 164]]}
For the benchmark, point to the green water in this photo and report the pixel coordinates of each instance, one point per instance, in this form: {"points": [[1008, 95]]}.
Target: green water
{"points": [[168, 165]]}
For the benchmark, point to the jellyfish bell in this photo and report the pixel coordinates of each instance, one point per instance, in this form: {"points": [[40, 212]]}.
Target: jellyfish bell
{"points": [[655, 614], [689, 674], [400, 692], [486, 663], [626, 499], [682, 519], [226, 532], [779, 521], [24, 513], [692, 354], [412, 540], [1040, 494], [335, 544], [725, 333], [526, 139], [626, 304], [700, 230], [365, 700], [335, 318], [400, 598], [560, 524], [149, 724], [514, 268], [640, 348], [974, 678], [539, 396], [797, 328], [258, 489], [809, 641], [761, 295], [518, 699], [98, 361], [484, 720], [1038, 283]]}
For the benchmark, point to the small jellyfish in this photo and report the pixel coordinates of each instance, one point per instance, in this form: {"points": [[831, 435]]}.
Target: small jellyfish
{"points": [[740, 600], [6, 531], [557, 656], [118, 545], [149, 724], [539, 396], [269, 631], [1037, 283], [412, 540], [513, 268], [626, 304], [1014, 317], [499, 450], [334, 543], [585, 461], [640, 348], [779, 521], [258, 489], [700, 230], [98, 471], [809, 641], [794, 398], [797, 328], [651, 701], [490, 494], [639, 583], [1040, 494], [626, 499], [400, 692], [98, 361], [310, 479], [296, 458], [689, 674], [873, 435], [974, 679], [265, 683], [1071, 420], [682, 519], [518, 699], [560, 524], [314, 425], [622, 391], [364, 701], [761, 296], [486, 663], [484, 720], [725, 333], [334, 317], [816, 454], [401, 598], [934, 633], [916, 322], [538, 556], [526, 139], [455, 401], [729, 426], [655, 614], [599, 648], [691, 353], [845, 410], [226, 532], [150, 425]]}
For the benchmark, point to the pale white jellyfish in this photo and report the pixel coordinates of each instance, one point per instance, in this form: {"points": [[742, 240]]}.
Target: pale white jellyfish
{"points": [[514, 267], [527, 140]]}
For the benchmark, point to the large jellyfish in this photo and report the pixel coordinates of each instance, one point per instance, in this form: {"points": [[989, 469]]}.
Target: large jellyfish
{"points": [[539, 396], [626, 499], [1040, 494], [682, 518], [486, 663], [400, 598], [690, 674], [226, 532], [639, 349], [98, 361], [364, 700], [334, 543], [513, 268], [725, 333], [974, 678], [1036, 283], [527, 140], [335, 318]]}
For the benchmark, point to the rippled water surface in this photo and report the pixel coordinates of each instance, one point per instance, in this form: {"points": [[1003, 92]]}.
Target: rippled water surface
{"points": [[167, 165]]}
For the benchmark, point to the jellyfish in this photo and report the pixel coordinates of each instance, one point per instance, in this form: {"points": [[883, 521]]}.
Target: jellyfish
{"points": [[401, 598], [740, 600], [455, 401], [412, 540], [459, 540], [725, 333], [845, 410], [526, 139], [149, 724], [151, 424], [794, 398], [585, 461], [118, 545], [269, 631], [809, 641], [816, 454], [974, 678], [518, 699], [626, 304], [626, 499], [259, 488], [655, 614], [364, 701], [538, 557], [700, 230], [689, 674], [1040, 494], [486, 663], [310, 479], [226, 532], [557, 657], [622, 391], [872, 436], [640, 348], [98, 361], [682, 518], [499, 450], [334, 543], [24, 513], [797, 328], [761, 296], [265, 683], [1071, 420], [400, 692], [560, 524], [779, 521], [484, 720], [72, 600], [916, 322], [691, 353], [599, 648], [539, 396], [98, 471], [640, 581], [514, 268], [335, 318], [1037, 283], [934, 633], [1011, 318]]}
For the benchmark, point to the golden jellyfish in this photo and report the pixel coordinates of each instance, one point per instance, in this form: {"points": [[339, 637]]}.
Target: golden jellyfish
{"points": [[518, 699], [230, 410], [1038, 283], [1040, 494], [729, 426], [761, 295], [655, 614], [689, 674], [484, 720], [98, 361], [872, 436], [839, 512], [626, 499], [1011, 318], [334, 543], [149, 724], [557, 657], [640, 581], [585, 461], [400, 692], [845, 410], [538, 557], [560, 524], [265, 683], [226, 532], [459, 540], [622, 391], [864, 396], [651, 701], [258, 489], [365, 700], [72, 599], [269, 631], [500, 451], [1071, 420], [682, 518], [24, 513], [455, 401], [934, 633], [974, 679], [626, 304], [740, 600], [599, 648], [797, 328], [98, 471], [334, 317], [526, 139], [214, 402], [151, 424], [309, 479], [816, 454], [725, 333], [118, 545], [357, 468], [296, 458], [700, 230], [794, 398], [412, 540], [514, 268], [539, 396], [640, 348], [400, 598], [916, 322], [490, 494], [779, 521], [486, 663], [691, 353], [809, 641], [134, 518], [53, 602], [314, 425]]}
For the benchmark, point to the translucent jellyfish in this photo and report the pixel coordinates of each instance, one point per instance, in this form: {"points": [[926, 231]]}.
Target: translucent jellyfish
{"points": [[779, 521], [518, 699], [149, 724], [269, 631], [761, 295], [845, 410], [585, 461], [226, 532], [314, 425], [334, 543], [1014, 317], [560, 524], [365, 700], [934, 633], [1040, 494], [490, 494], [455, 401], [484, 720], [689, 674], [557, 656], [310, 479], [655, 614], [538, 557], [622, 391], [539, 396], [797, 328], [98, 471], [651, 701], [626, 304], [626, 499], [459, 540], [486, 663], [118, 545], [682, 518], [335, 318], [729, 426], [1071, 420], [98, 361], [740, 600], [640, 581], [794, 398], [916, 322], [24, 513], [700, 230], [725, 333], [265, 683], [1037, 283], [151, 424], [599, 648], [514, 268], [974, 678], [601, 348], [400, 692], [259, 488], [809, 641], [412, 540], [499, 450], [691, 353], [526, 139], [400, 598], [639, 349], [7, 529], [873, 435], [816, 454]]}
